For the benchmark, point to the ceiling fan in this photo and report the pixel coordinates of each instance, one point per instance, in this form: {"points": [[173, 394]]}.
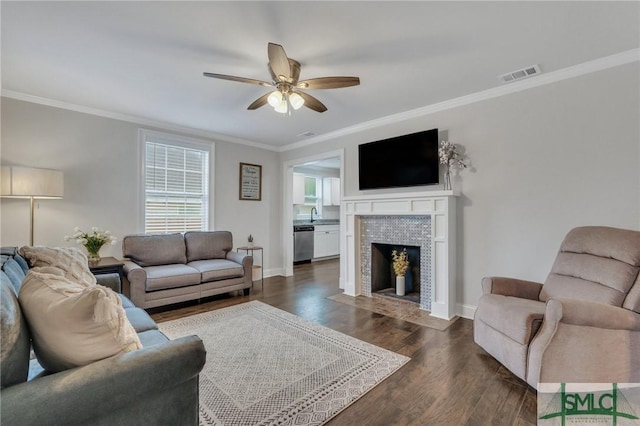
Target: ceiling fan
{"points": [[287, 94]]}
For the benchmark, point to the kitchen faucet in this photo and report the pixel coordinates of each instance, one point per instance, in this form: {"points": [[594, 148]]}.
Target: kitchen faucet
{"points": [[312, 210]]}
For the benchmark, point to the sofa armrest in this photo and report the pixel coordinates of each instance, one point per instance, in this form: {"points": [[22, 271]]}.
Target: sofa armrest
{"points": [[246, 261], [585, 342], [511, 287], [136, 276], [111, 281], [84, 394], [237, 257]]}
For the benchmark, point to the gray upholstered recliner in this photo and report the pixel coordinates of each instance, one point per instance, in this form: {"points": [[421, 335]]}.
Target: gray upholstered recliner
{"points": [[582, 325]]}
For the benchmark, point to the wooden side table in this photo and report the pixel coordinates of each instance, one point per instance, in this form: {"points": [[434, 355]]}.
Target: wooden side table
{"points": [[256, 267]]}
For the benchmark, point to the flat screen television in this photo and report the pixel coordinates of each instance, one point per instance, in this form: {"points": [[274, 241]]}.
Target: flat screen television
{"points": [[409, 160]]}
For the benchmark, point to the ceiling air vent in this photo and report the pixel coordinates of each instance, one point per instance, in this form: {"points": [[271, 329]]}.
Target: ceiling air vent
{"points": [[520, 74]]}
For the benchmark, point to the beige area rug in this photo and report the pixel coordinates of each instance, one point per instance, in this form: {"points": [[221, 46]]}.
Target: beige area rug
{"points": [[266, 366], [394, 308]]}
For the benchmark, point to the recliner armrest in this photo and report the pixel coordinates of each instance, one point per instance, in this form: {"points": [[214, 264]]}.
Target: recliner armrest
{"points": [[591, 314], [75, 396], [511, 287], [584, 341]]}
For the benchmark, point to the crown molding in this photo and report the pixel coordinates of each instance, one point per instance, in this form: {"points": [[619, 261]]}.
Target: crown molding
{"points": [[217, 137], [589, 67], [596, 65]]}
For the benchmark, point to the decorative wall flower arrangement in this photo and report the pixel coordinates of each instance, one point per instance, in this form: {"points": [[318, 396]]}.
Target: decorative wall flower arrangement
{"points": [[451, 158]]}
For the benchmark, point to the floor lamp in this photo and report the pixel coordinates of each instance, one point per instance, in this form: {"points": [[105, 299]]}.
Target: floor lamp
{"points": [[27, 182]]}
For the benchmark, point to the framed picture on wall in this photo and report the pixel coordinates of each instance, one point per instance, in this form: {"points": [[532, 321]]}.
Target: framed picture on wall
{"points": [[250, 182]]}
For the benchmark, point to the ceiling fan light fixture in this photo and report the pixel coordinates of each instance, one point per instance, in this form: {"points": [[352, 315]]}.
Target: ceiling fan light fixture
{"points": [[282, 107], [296, 100], [285, 73], [275, 98]]}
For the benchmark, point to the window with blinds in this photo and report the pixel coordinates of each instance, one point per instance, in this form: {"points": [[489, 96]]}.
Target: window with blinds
{"points": [[176, 188]]}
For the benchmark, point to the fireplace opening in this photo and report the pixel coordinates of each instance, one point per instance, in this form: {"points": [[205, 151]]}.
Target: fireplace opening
{"points": [[383, 278]]}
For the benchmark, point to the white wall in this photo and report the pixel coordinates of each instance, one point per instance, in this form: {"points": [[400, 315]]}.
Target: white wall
{"points": [[100, 159], [543, 161]]}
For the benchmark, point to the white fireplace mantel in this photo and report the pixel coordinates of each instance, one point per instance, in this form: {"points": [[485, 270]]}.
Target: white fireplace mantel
{"points": [[440, 205]]}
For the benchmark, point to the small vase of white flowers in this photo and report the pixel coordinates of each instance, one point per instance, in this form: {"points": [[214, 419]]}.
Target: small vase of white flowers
{"points": [[92, 241]]}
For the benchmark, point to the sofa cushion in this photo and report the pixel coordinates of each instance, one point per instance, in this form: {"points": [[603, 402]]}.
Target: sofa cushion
{"points": [[152, 337], [126, 303], [152, 250], [171, 276], [207, 245], [14, 353], [140, 320], [73, 324], [14, 272], [519, 319], [69, 259], [217, 269], [23, 263]]}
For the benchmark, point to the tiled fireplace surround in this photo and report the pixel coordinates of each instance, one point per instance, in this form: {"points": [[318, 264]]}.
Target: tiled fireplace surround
{"points": [[425, 219], [397, 230]]}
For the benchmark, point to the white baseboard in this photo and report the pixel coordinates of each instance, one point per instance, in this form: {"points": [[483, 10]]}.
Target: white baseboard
{"points": [[466, 311], [274, 272]]}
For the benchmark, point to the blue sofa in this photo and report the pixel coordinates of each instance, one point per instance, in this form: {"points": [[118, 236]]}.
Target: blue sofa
{"points": [[155, 385]]}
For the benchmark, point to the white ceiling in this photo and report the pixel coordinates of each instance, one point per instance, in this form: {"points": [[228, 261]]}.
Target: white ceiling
{"points": [[145, 59]]}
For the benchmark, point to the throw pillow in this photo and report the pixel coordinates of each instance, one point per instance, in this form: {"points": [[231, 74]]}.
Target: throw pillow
{"points": [[71, 324], [71, 260]]}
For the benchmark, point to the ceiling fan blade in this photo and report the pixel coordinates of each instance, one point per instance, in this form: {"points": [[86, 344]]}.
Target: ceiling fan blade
{"points": [[311, 102], [261, 101], [278, 62], [328, 83], [238, 79]]}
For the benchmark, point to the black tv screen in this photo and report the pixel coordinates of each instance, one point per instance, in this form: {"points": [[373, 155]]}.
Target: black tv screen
{"points": [[409, 160]]}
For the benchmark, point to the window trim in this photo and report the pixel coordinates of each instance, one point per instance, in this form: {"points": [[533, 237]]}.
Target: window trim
{"points": [[144, 136]]}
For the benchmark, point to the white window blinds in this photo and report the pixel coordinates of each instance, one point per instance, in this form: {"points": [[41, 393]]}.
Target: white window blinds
{"points": [[176, 188]]}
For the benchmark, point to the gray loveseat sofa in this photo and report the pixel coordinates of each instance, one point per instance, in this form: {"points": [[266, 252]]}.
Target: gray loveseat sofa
{"points": [[157, 384], [165, 269]]}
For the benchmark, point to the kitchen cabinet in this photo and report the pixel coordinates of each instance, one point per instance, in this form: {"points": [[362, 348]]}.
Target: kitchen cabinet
{"points": [[331, 191], [326, 241], [298, 188]]}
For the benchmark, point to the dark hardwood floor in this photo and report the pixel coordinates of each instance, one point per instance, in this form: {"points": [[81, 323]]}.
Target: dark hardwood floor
{"points": [[449, 380]]}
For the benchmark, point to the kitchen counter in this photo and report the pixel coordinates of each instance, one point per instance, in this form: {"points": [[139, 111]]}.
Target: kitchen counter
{"points": [[317, 222]]}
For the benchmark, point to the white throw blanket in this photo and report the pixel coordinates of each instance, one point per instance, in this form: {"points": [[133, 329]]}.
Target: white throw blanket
{"points": [[69, 259]]}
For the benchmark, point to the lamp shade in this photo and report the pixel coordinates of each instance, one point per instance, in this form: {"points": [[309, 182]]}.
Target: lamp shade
{"points": [[26, 182]]}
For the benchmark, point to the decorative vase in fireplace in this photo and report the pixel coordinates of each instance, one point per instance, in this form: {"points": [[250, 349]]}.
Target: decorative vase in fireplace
{"points": [[400, 285]]}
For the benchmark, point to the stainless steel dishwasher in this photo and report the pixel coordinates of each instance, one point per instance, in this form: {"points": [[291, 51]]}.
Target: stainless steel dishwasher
{"points": [[303, 243]]}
